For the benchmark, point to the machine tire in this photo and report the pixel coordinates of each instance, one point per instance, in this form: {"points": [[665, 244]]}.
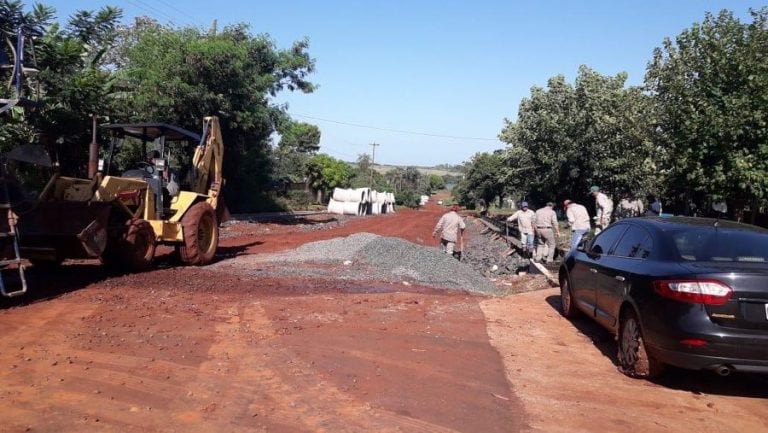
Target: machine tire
{"points": [[138, 248], [132, 250], [201, 235], [634, 359]]}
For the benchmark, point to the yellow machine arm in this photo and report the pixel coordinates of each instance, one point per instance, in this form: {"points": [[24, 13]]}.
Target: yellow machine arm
{"points": [[207, 162]]}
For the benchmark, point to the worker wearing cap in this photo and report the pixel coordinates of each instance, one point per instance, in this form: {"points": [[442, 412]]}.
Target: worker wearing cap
{"points": [[603, 208], [578, 219], [524, 218], [545, 222], [451, 228]]}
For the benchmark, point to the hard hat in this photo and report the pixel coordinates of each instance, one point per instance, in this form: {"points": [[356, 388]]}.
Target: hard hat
{"points": [[566, 203], [594, 188]]}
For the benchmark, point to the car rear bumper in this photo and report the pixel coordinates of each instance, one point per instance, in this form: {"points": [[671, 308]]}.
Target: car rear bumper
{"points": [[695, 361]]}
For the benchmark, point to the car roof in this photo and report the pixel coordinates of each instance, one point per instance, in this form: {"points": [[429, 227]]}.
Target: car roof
{"points": [[151, 131], [683, 222]]}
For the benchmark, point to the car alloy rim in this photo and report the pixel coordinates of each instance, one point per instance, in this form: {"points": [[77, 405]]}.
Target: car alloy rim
{"points": [[630, 343]]}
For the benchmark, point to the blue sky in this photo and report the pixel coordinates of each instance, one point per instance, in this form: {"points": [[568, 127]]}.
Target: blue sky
{"points": [[448, 70]]}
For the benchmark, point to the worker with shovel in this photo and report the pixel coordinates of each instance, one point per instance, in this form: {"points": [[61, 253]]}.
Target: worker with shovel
{"points": [[451, 228]]}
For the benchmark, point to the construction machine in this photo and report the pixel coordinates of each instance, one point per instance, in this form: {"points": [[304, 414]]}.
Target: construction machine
{"points": [[122, 217]]}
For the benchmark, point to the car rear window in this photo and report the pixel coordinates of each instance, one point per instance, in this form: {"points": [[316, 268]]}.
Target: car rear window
{"points": [[711, 245]]}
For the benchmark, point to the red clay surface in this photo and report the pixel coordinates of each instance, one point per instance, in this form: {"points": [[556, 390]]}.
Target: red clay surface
{"points": [[199, 350]]}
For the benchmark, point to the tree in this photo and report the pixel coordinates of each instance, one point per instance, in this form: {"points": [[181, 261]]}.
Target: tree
{"points": [[363, 172], [567, 137], [482, 181], [299, 137], [72, 81], [326, 173], [711, 87], [298, 142], [435, 182], [181, 75]]}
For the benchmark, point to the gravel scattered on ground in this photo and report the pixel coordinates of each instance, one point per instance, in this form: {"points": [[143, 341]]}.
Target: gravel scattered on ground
{"points": [[489, 255]]}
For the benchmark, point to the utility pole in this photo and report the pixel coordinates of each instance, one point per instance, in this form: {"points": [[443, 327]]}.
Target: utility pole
{"points": [[373, 159]]}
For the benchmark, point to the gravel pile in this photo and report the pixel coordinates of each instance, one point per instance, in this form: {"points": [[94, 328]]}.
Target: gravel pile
{"points": [[369, 257], [333, 250], [395, 257]]}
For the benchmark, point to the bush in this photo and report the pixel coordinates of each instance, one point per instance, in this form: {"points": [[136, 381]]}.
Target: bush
{"points": [[407, 198]]}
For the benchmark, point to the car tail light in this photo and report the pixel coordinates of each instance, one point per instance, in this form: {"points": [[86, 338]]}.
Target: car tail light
{"points": [[709, 292], [695, 342]]}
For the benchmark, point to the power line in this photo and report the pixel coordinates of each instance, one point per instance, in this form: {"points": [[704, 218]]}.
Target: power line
{"points": [[454, 137], [170, 6], [151, 10]]}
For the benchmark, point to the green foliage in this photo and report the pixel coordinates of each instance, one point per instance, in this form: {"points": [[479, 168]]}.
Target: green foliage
{"points": [[408, 198], [298, 142], [326, 173], [72, 83], [363, 172], [568, 137], [408, 178], [299, 137], [483, 181], [711, 88], [181, 75], [435, 182]]}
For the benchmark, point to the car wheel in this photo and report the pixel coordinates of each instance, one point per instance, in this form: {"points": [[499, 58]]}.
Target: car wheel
{"points": [[634, 359], [567, 307]]}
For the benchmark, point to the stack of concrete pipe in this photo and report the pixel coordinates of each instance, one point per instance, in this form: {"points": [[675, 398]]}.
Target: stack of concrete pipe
{"points": [[382, 202], [360, 201]]}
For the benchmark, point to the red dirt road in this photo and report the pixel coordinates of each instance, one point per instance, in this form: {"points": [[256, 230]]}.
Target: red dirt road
{"points": [[200, 350]]}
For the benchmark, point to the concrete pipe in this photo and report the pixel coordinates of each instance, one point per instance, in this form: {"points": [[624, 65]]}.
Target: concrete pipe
{"points": [[364, 194]]}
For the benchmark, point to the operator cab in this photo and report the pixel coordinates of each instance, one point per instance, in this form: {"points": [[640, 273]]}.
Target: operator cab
{"points": [[153, 155]]}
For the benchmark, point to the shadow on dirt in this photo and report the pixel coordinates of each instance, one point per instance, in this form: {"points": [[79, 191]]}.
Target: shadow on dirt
{"points": [[599, 336], [223, 253], [697, 382], [44, 283], [291, 219]]}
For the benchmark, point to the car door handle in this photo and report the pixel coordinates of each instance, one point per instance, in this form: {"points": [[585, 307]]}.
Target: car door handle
{"points": [[619, 278], [593, 270]]}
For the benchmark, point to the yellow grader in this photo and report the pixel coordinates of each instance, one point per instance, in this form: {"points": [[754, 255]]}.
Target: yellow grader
{"points": [[121, 218]]}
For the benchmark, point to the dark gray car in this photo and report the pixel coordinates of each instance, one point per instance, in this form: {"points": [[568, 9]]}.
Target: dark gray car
{"points": [[688, 292]]}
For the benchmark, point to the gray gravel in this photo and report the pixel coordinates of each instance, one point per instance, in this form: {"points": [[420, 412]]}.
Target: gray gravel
{"points": [[400, 258], [368, 257], [333, 250]]}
